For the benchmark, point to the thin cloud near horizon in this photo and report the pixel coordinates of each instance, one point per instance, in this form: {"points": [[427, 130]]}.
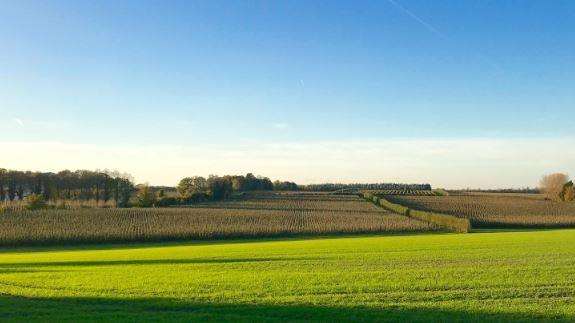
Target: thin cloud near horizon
{"points": [[448, 163]]}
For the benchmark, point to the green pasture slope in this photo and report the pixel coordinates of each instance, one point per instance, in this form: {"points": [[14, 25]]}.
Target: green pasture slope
{"points": [[489, 276]]}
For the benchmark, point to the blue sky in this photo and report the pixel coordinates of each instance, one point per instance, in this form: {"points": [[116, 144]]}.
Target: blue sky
{"points": [[223, 75]]}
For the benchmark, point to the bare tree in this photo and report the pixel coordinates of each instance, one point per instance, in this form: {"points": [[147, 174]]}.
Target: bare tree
{"points": [[552, 185], [568, 192]]}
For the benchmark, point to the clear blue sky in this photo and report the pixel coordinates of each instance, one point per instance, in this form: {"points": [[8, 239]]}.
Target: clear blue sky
{"points": [[190, 73]]}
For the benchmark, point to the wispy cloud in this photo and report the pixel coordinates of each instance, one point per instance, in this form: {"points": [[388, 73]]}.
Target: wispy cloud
{"points": [[281, 125], [185, 124], [35, 125], [18, 121]]}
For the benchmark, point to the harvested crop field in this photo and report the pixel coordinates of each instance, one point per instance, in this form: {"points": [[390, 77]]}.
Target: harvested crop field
{"points": [[236, 219], [496, 210]]}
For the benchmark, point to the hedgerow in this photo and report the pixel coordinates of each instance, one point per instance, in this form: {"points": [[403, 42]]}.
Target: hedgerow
{"points": [[449, 222]]}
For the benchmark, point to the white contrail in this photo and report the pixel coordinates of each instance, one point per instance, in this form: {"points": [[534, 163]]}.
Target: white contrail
{"points": [[436, 31], [416, 18]]}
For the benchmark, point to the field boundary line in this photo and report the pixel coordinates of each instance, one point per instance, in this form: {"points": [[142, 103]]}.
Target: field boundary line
{"points": [[452, 223]]}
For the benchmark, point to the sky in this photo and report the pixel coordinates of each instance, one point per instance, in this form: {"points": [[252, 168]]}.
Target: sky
{"points": [[453, 93]]}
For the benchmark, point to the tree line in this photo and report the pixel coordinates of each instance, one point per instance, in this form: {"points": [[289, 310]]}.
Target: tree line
{"points": [[104, 186], [82, 185], [197, 189], [221, 187]]}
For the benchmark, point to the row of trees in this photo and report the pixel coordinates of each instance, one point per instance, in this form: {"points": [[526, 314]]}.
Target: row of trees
{"points": [[104, 186], [221, 187], [285, 186], [330, 187], [557, 187], [199, 189], [67, 185]]}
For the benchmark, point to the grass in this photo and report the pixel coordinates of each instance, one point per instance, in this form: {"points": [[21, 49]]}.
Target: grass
{"points": [[222, 220], [495, 276], [496, 210]]}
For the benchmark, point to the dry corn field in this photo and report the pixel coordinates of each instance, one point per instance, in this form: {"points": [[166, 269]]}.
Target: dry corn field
{"points": [[213, 221], [496, 210], [315, 203], [404, 192], [18, 206], [306, 196]]}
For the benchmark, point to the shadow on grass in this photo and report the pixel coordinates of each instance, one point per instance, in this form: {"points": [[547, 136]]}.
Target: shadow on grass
{"points": [[58, 309], [161, 243], [296, 237], [27, 267], [515, 229]]}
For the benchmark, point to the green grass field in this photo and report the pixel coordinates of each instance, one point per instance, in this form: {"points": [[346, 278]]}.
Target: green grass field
{"points": [[505, 275]]}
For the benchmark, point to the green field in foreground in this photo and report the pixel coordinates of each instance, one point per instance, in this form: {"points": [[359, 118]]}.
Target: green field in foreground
{"points": [[527, 275]]}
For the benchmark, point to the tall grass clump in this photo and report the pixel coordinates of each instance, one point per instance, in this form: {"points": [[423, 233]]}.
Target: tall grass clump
{"points": [[34, 202], [453, 223]]}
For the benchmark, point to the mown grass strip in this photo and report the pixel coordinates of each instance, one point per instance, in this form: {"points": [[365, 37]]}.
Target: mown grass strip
{"points": [[449, 222]]}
